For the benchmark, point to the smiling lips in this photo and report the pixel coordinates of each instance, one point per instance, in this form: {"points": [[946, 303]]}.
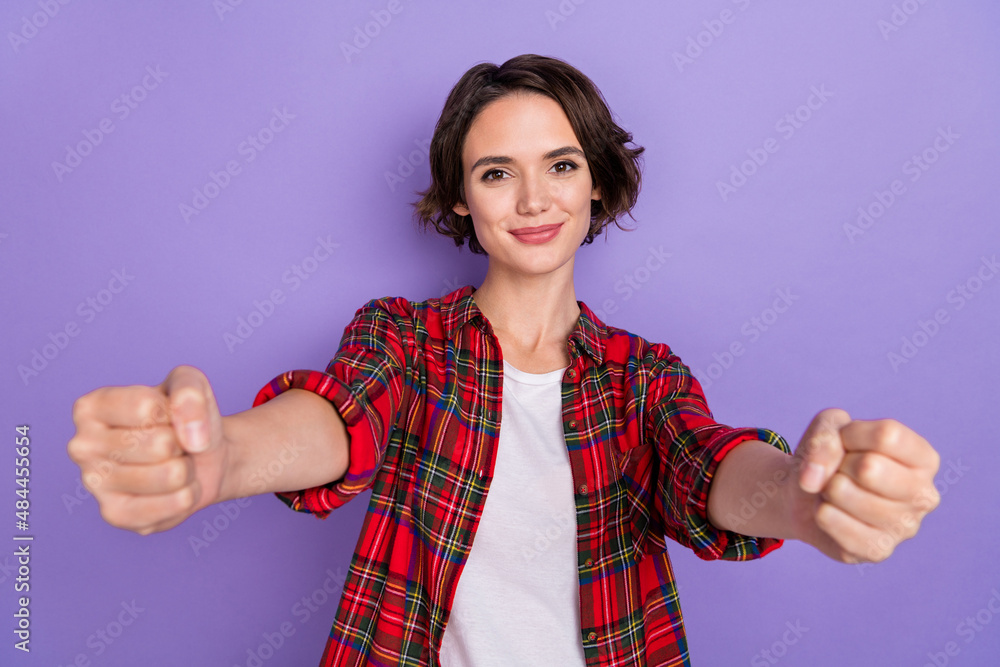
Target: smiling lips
{"points": [[536, 234]]}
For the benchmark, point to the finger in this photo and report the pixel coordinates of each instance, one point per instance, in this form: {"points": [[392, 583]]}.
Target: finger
{"points": [[893, 439], [858, 540], [142, 513], [167, 524], [820, 450], [142, 480], [883, 514], [125, 446], [145, 446], [123, 407], [883, 476], [192, 405]]}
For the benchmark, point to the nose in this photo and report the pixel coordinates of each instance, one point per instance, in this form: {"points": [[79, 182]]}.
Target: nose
{"points": [[534, 195]]}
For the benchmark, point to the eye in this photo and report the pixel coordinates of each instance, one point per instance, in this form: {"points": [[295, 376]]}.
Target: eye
{"points": [[486, 175], [566, 163]]}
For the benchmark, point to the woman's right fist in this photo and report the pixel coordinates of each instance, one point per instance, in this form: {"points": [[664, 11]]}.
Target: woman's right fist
{"points": [[151, 456]]}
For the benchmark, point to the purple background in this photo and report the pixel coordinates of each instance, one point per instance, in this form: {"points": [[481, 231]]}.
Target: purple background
{"points": [[325, 175]]}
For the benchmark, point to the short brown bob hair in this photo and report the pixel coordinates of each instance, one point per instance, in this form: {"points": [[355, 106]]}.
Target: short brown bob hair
{"points": [[614, 168]]}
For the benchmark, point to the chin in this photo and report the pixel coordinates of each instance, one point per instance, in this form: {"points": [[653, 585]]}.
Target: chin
{"points": [[546, 261]]}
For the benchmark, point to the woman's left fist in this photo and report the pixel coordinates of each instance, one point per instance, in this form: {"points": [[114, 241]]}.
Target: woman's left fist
{"points": [[864, 486]]}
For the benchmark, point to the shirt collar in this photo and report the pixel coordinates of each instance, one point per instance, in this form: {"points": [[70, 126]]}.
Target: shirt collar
{"points": [[458, 308]]}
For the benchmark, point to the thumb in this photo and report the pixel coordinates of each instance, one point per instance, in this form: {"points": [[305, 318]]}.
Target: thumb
{"points": [[193, 410], [820, 450]]}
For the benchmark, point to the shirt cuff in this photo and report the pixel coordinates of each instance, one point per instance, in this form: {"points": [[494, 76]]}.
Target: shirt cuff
{"points": [[709, 542], [321, 500]]}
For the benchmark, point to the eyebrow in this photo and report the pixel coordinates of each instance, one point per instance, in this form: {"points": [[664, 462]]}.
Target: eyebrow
{"points": [[551, 155]]}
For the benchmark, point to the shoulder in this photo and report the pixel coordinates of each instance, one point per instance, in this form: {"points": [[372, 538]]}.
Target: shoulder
{"points": [[400, 314], [632, 350], [390, 305], [655, 373], [398, 306]]}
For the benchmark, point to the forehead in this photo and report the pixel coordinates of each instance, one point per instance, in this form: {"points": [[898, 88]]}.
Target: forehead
{"points": [[519, 122]]}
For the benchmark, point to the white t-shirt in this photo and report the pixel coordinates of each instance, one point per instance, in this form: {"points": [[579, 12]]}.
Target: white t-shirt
{"points": [[518, 597]]}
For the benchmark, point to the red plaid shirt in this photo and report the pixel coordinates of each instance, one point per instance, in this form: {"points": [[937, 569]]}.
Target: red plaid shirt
{"points": [[419, 387]]}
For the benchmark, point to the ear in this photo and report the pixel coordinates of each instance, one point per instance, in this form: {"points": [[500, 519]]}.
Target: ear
{"points": [[461, 209], [595, 193]]}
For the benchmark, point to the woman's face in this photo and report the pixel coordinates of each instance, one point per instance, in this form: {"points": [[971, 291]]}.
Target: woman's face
{"points": [[524, 168]]}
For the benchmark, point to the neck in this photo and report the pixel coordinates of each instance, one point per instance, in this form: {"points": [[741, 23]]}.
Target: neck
{"points": [[533, 311]]}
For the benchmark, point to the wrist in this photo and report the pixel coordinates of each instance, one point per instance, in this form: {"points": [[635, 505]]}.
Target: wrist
{"points": [[799, 505], [230, 474], [753, 492]]}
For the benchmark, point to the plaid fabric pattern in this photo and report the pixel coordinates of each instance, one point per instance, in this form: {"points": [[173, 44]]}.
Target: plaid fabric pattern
{"points": [[419, 388]]}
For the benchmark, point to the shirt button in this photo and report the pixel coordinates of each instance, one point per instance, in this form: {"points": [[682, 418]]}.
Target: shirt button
{"points": [[572, 374], [583, 489], [591, 636], [572, 424], [589, 562]]}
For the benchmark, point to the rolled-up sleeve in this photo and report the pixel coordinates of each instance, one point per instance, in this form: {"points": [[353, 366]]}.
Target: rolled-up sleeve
{"points": [[364, 383], [690, 446]]}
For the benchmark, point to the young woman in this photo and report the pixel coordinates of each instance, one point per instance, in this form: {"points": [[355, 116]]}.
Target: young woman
{"points": [[527, 461]]}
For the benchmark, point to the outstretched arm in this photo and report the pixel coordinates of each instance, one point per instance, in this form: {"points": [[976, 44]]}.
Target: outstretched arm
{"points": [[152, 456], [854, 489]]}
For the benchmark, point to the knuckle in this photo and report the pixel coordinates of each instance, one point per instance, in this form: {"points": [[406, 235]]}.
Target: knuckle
{"points": [[935, 500], [146, 407], [133, 437], [115, 513], [887, 431], [153, 440], [182, 500], [129, 440], [928, 499], [839, 486], [883, 546], [86, 407], [847, 552], [149, 445], [189, 397], [935, 461], [78, 449], [156, 415], [909, 521], [824, 516], [885, 552], [869, 470], [94, 480], [173, 474], [858, 552], [835, 414], [162, 443], [81, 408], [91, 482]]}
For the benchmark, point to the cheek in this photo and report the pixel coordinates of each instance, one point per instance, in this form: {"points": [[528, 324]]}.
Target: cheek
{"points": [[576, 197], [491, 205], [574, 189]]}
